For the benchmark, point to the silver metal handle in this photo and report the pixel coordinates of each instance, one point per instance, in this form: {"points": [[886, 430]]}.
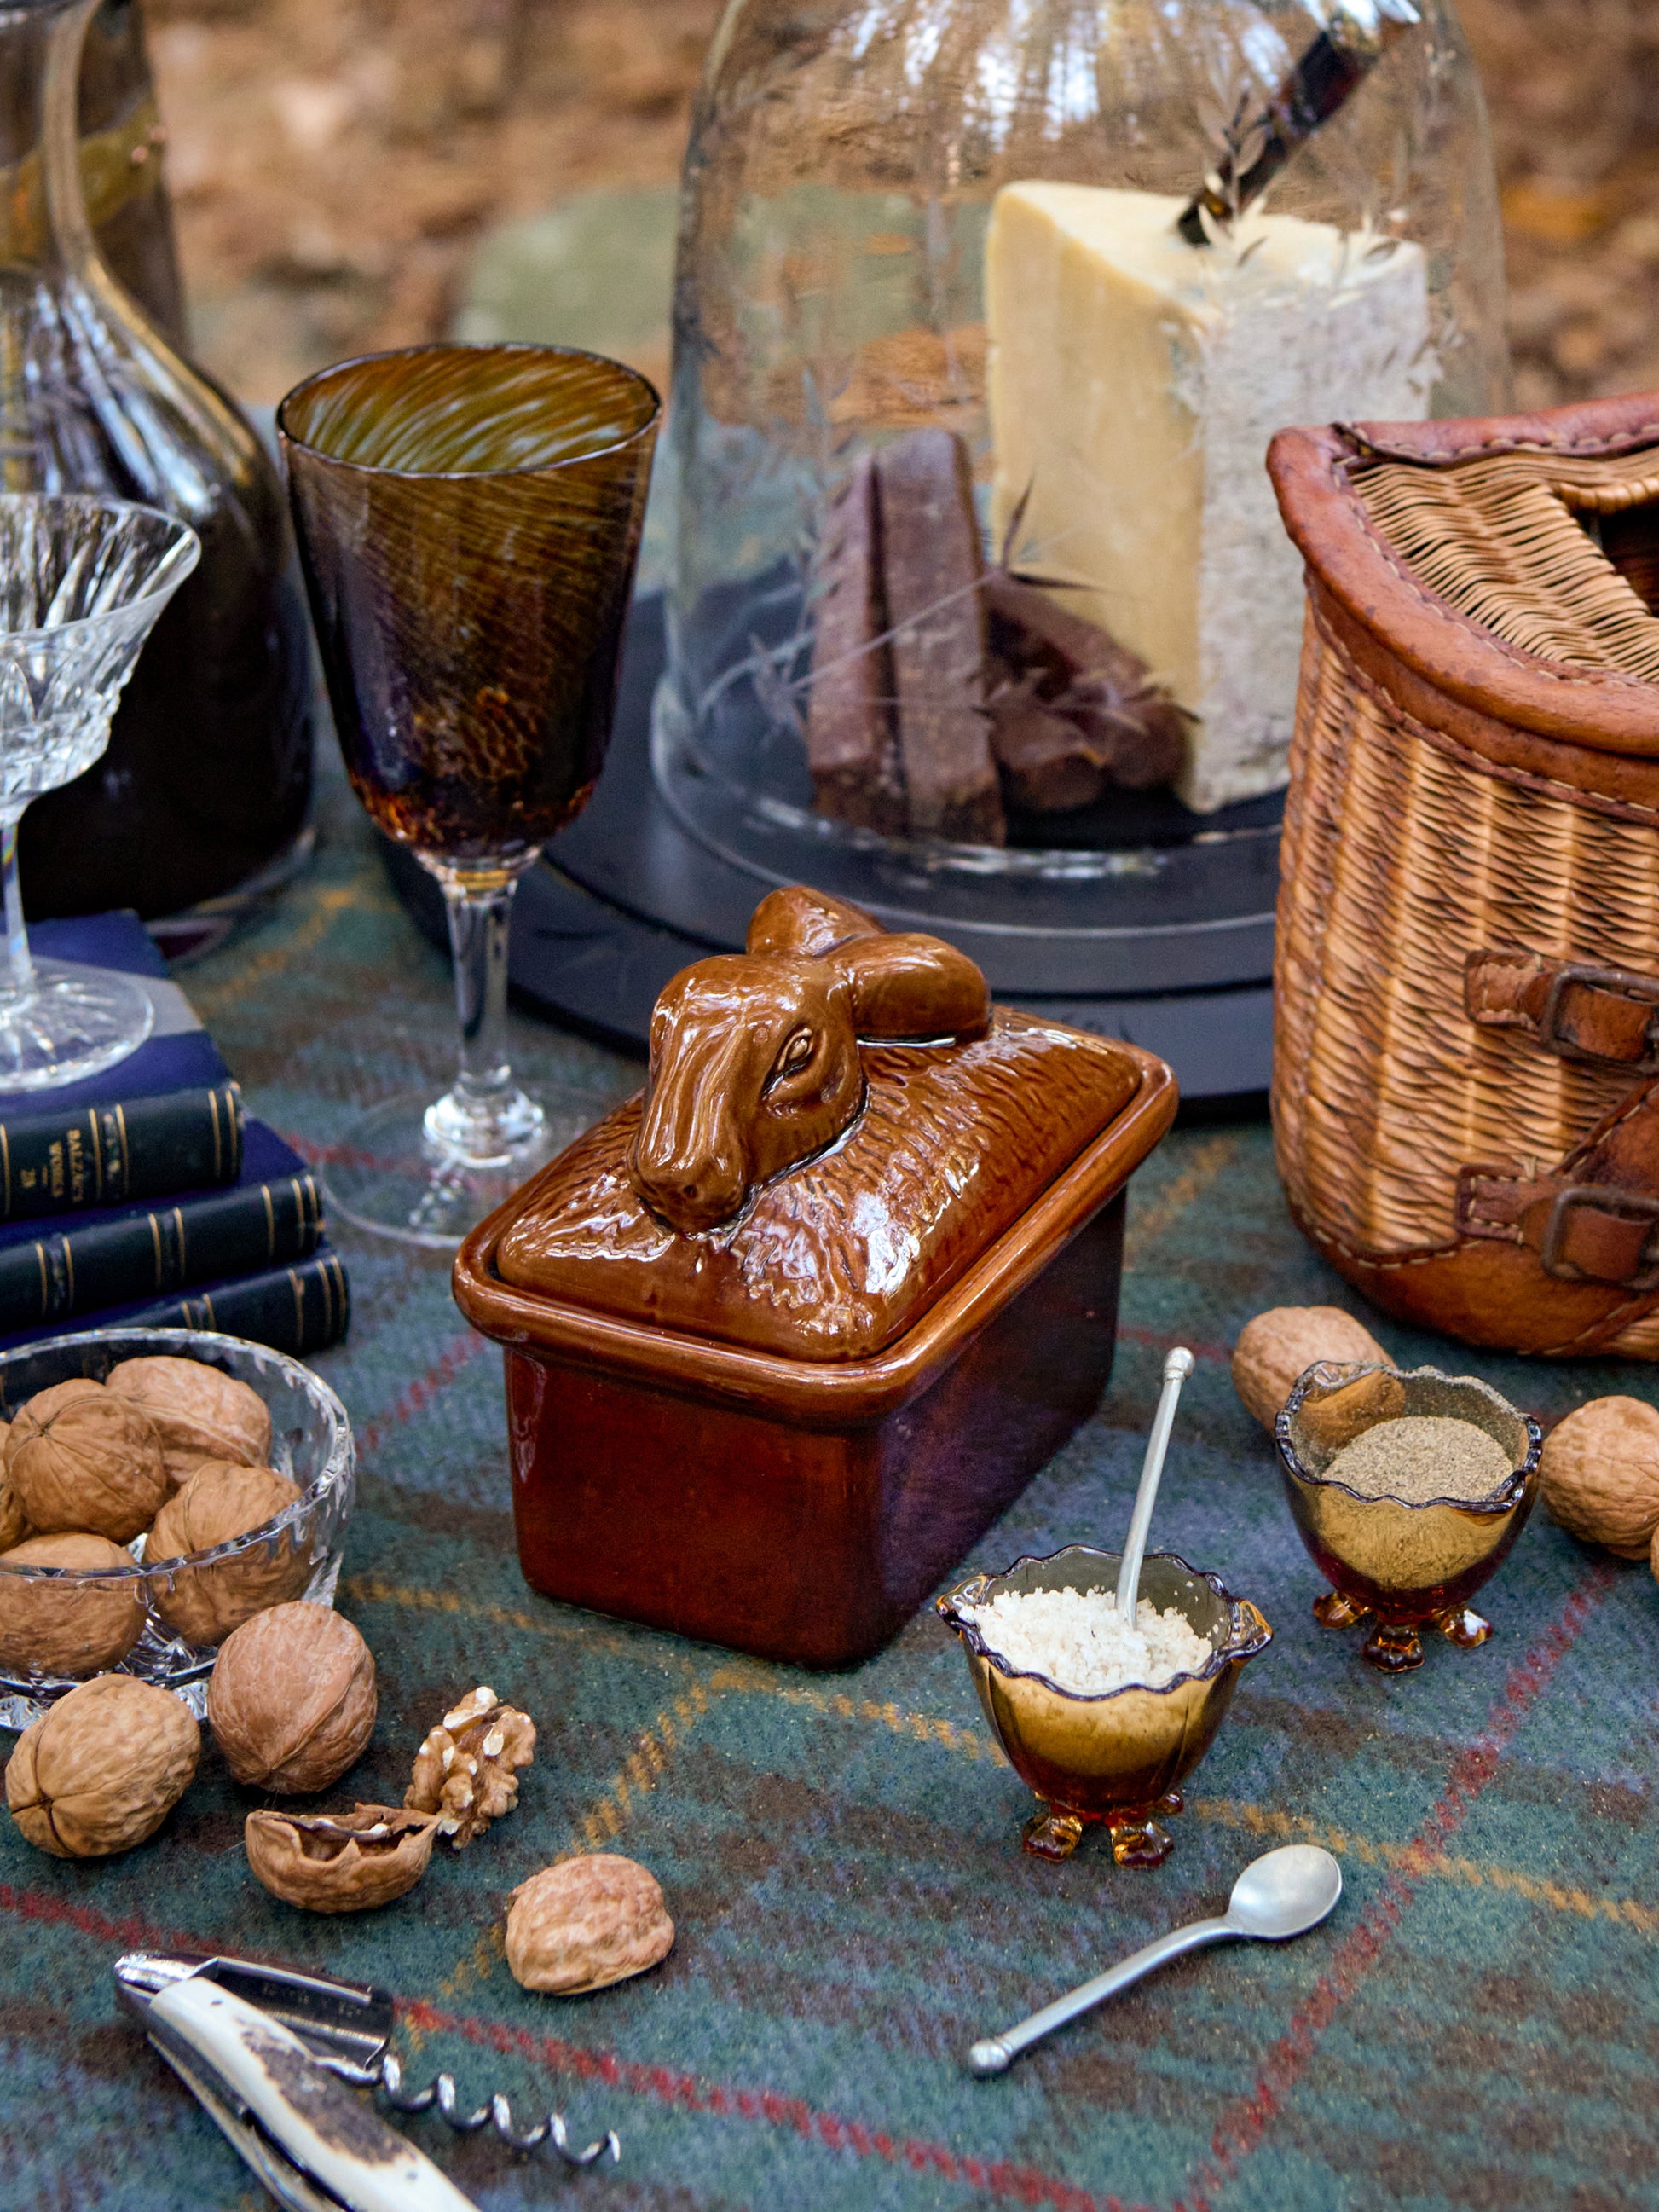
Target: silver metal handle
{"points": [[997, 2053], [1177, 1366]]}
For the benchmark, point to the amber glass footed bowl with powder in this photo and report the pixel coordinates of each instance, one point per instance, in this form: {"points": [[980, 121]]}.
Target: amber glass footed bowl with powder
{"points": [[1408, 1489], [1111, 1756]]}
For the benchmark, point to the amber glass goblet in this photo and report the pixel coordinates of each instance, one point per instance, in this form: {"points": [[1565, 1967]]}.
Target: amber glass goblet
{"points": [[468, 520]]}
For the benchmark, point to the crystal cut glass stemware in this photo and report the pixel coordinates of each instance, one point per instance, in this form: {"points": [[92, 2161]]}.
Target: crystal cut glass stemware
{"points": [[81, 582], [468, 520]]}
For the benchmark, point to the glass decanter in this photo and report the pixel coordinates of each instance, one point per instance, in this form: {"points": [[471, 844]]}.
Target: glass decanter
{"points": [[205, 784], [985, 313]]}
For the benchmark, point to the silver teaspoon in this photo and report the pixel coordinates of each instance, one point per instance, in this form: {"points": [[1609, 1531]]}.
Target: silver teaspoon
{"points": [[1281, 1895]]}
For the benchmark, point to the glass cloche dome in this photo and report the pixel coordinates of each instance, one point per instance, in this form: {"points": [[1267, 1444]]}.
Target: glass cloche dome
{"points": [[985, 313]]}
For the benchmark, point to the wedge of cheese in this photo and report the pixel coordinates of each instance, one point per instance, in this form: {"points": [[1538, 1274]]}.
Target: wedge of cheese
{"points": [[1134, 383]]}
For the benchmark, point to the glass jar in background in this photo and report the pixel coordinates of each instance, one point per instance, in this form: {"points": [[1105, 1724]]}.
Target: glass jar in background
{"points": [[203, 794], [982, 609]]}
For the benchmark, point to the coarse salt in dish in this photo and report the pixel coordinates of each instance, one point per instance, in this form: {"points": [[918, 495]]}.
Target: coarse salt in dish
{"points": [[1081, 1643]]}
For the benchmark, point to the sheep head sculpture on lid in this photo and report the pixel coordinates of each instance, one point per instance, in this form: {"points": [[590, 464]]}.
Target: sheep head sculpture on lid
{"points": [[754, 1057]]}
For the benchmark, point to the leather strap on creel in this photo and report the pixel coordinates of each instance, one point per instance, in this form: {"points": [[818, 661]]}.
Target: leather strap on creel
{"points": [[1570, 1007], [1548, 1259]]}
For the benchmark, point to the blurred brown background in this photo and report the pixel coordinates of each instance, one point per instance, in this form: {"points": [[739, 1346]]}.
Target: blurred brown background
{"points": [[336, 163]]}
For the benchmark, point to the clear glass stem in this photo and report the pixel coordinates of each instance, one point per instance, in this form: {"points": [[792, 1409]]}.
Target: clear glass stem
{"points": [[485, 1116], [17, 980], [478, 921]]}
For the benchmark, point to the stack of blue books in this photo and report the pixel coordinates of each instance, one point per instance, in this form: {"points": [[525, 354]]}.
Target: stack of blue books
{"points": [[147, 1195]]}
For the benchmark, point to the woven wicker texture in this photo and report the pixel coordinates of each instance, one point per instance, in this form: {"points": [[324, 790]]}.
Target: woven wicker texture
{"points": [[1512, 542], [1404, 852]]}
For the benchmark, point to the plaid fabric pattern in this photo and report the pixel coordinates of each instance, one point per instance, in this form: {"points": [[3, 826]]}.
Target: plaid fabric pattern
{"points": [[1475, 2027]]}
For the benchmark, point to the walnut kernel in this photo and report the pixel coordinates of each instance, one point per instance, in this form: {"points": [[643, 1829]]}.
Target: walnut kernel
{"points": [[102, 1768], [219, 1502], [80, 1457], [198, 1413], [1600, 1474], [339, 1861], [585, 1924], [1278, 1346], [465, 1770], [53, 1625], [291, 1700]]}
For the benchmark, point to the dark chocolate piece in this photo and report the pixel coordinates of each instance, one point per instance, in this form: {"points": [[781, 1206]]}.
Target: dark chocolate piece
{"points": [[1049, 765], [933, 566], [851, 748], [1079, 672]]}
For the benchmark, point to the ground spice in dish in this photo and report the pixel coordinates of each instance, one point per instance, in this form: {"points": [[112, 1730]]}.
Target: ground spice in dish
{"points": [[1419, 1457], [1081, 1643]]}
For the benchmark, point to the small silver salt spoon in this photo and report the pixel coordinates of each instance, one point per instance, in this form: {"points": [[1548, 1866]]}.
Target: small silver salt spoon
{"points": [[1281, 1895], [1177, 1366]]}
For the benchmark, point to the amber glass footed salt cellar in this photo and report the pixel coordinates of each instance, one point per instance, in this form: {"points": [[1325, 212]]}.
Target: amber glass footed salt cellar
{"points": [[203, 790], [1404, 1566], [1119, 1758], [468, 520]]}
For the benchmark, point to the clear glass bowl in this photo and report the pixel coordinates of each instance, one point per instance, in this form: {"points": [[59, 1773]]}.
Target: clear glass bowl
{"points": [[1120, 1757], [1402, 1565], [837, 297], [297, 1555]]}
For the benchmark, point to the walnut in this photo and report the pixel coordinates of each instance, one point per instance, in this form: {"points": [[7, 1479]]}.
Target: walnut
{"points": [[1278, 1346], [291, 1700], [339, 1861], [80, 1457], [216, 1504], [13, 1522], [49, 1625], [102, 1768], [198, 1413], [465, 1770], [585, 1924], [1600, 1474]]}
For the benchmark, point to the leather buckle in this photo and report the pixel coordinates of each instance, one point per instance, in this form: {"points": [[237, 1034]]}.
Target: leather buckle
{"points": [[1621, 1206], [1623, 984]]}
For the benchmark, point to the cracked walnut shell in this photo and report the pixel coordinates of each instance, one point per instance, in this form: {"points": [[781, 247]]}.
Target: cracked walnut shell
{"points": [[53, 1625], [79, 1456], [339, 1861], [1600, 1474], [1278, 1346], [292, 1698], [217, 1504], [102, 1768], [198, 1413], [585, 1924], [465, 1770]]}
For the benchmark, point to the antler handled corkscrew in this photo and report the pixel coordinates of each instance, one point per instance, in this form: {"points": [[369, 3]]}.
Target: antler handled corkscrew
{"points": [[257, 2045]]}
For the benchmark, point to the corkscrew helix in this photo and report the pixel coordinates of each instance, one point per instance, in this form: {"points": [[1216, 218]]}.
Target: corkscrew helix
{"points": [[252, 2043], [386, 2076]]}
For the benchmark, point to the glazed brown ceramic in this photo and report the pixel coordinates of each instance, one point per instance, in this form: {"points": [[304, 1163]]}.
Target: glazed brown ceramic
{"points": [[781, 1431], [907, 1159], [755, 1057]]}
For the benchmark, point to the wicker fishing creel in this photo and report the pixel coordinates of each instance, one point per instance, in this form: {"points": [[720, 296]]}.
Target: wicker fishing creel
{"points": [[1465, 1058]]}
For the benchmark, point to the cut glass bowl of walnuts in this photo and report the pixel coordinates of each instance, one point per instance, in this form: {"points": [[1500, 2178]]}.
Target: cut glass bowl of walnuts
{"points": [[158, 1488]]}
